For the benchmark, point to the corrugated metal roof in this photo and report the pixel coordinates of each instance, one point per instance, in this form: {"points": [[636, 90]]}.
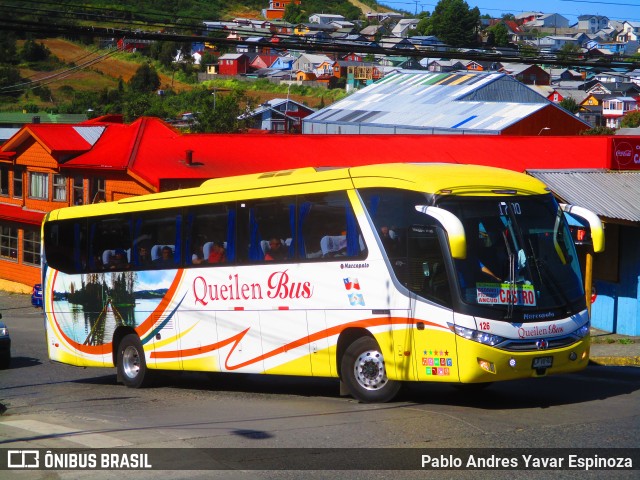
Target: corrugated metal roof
{"points": [[487, 102], [610, 194], [90, 134]]}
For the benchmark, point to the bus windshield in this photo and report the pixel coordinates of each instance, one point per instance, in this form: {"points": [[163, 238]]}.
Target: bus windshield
{"points": [[521, 262]]}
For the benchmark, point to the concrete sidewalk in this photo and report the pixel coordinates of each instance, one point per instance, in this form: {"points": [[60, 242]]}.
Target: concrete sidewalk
{"points": [[613, 349]]}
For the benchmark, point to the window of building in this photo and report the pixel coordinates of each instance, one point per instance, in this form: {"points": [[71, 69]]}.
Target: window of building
{"points": [[59, 188], [17, 182], [78, 190], [4, 180], [97, 190], [8, 242], [39, 185], [31, 246]]}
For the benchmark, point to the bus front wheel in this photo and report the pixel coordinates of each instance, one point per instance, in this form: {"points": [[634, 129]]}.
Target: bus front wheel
{"points": [[132, 367], [364, 374]]}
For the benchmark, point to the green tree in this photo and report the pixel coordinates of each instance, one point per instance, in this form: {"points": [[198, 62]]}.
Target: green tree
{"points": [[424, 24], [631, 120], [9, 77], [293, 14], [527, 51], [34, 52], [164, 52], [208, 58], [598, 131], [220, 113], [570, 104], [455, 24], [8, 48], [145, 79], [499, 35], [136, 105], [568, 52]]}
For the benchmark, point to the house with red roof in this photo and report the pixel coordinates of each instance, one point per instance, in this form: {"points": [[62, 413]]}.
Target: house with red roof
{"points": [[44, 167], [263, 61]]}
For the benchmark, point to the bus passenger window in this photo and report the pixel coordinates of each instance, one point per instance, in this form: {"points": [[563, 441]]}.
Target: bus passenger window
{"points": [[154, 232], [328, 228], [66, 245], [209, 235], [264, 228], [110, 243]]}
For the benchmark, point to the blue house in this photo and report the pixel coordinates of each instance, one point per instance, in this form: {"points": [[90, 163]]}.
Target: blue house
{"points": [[283, 63]]}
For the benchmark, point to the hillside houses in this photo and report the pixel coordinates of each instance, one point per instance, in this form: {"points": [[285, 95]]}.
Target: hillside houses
{"points": [[270, 49]]}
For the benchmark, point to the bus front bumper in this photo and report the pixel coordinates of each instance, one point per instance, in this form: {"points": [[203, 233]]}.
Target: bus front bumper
{"points": [[481, 363]]}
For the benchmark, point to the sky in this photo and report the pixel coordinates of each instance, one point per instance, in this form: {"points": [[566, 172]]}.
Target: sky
{"points": [[613, 9]]}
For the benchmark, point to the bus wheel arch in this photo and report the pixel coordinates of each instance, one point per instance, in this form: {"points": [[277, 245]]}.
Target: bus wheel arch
{"points": [[131, 363], [362, 368], [118, 335]]}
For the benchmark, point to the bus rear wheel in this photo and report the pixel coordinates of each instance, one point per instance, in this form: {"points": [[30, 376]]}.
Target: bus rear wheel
{"points": [[132, 367], [364, 373]]}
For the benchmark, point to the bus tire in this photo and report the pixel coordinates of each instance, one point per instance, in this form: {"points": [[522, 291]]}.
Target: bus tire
{"points": [[132, 367], [364, 373]]}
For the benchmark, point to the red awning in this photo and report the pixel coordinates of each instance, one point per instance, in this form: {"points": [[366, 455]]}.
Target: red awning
{"points": [[18, 214]]}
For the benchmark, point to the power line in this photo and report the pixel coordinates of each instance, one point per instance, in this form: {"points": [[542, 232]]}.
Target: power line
{"points": [[55, 76], [289, 42]]}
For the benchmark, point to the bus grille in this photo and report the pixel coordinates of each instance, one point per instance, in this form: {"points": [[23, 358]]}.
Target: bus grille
{"points": [[530, 345]]}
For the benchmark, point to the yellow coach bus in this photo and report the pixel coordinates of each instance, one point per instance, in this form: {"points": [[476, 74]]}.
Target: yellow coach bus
{"points": [[376, 275]]}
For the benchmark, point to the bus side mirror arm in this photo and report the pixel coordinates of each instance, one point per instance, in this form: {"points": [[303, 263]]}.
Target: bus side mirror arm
{"points": [[595, 224], [452, 225]]}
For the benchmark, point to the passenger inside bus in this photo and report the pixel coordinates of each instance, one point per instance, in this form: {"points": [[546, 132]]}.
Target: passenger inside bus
{"points": [[144, 256], [166, 257], [276, 250], [216, 253], [117, 260], [389, 240], [199, 257]]}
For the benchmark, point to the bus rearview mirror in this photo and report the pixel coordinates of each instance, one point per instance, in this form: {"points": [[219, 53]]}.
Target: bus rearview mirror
{"points": [[452, 225]]}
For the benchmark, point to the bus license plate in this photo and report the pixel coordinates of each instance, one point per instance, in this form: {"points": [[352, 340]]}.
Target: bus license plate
{"points": [[542, 362]]}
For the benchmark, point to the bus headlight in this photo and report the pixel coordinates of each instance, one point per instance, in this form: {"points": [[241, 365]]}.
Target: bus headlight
{"points": [[583, 331], [476, 335]]}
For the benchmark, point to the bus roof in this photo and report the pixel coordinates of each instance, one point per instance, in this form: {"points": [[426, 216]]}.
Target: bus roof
{"points": [[425, 177], [434, 178]]}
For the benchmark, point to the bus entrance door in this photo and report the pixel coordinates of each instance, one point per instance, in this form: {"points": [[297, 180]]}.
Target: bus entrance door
{"points": [[433, 343]]}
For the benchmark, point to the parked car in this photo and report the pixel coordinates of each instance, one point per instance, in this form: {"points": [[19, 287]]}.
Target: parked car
{"points": [[36, 295], [5, 346]]}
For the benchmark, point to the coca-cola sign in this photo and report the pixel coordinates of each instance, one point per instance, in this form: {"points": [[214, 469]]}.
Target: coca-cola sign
{"points": [[626, 154]]}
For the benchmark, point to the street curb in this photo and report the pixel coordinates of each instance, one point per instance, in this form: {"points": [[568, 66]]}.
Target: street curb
{"points": [[615, 361]]}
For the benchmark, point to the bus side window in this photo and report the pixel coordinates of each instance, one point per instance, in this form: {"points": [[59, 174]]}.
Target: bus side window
{"points": [[266, 225], [209, 235], [156, 231], [427, 275], [328, 228], [66, 246], [109, 243]]}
